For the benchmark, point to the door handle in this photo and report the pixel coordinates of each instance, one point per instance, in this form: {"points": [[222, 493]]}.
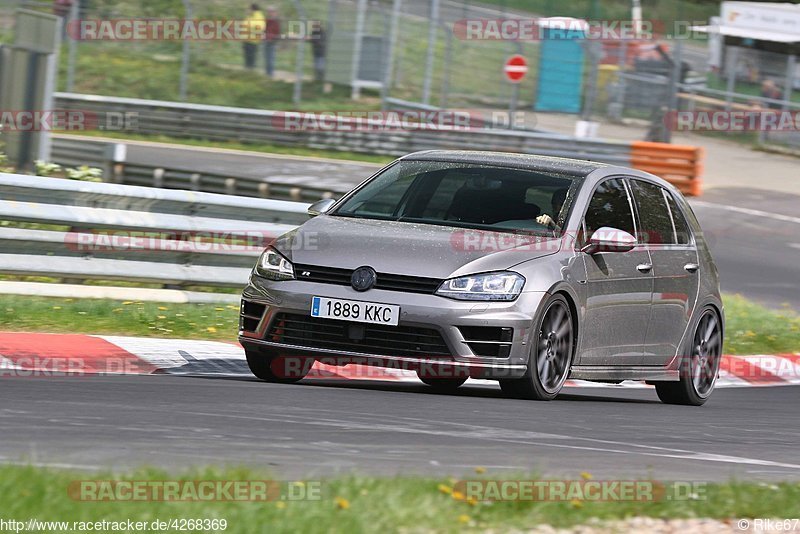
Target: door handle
{"points": [[644, 267], [691, 267]]}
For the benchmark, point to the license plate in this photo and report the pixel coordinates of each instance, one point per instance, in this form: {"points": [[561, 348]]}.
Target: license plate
{"points": [[355, 310]]}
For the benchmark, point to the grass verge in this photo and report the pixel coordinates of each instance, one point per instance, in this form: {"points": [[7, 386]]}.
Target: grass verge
{"points": [[368, 504], [750, 327], [251, 147]]}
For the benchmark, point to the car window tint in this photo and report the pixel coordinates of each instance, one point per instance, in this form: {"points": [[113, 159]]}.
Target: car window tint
{"points": [[441, 200], [609, 206], [654, 216], [683, 235], [466, 195], [382, 198]]}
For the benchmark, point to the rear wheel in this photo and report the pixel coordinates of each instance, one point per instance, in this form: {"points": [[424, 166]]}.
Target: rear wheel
{"points": [[277, 368], [699, 364], [551, 355], [442, 384]]}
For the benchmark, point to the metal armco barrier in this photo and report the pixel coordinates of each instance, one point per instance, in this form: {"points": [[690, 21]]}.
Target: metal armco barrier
{"points": [[198, 121], [100, 231]]}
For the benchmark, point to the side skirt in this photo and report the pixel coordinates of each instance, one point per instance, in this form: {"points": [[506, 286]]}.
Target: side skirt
{"points": [[600, 372]]}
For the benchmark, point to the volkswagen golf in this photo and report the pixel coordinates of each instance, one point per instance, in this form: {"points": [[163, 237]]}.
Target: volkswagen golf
{"points": [[524, 269]]}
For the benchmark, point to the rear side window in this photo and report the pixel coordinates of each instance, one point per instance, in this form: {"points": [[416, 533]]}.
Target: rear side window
{"points": [[682, 233], [654, 214], [610, 206]]}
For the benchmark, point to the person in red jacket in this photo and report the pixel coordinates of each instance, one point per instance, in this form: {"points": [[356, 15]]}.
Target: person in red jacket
{"points": [[273, 34]]}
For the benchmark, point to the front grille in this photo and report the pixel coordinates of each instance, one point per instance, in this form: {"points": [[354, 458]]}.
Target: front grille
{"points": [[360, 338], [389, 282], [488, 341]]}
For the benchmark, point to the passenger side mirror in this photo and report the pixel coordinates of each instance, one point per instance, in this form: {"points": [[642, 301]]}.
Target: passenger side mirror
{"points": [[607, 239], [320, 206]]}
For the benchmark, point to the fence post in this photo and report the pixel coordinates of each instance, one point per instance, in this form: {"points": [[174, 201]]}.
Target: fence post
{"points": [[389, 62], [359, 36], [72, 52], [433, 27], [448, 58], [182, 88], [787, 86], [733, 59], [300, 57]]}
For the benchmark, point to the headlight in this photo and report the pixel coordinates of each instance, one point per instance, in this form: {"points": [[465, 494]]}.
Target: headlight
{"points": [[490, 286], [274, 266]]}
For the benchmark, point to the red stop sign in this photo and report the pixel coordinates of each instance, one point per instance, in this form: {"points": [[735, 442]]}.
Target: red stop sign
{"points": [[516, 68]]}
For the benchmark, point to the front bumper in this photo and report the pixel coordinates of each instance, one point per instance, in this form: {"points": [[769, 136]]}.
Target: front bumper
{"points": [[417, 310]]}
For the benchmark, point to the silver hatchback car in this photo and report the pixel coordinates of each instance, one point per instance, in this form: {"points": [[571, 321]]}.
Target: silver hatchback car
{"points": [[524, 269]]}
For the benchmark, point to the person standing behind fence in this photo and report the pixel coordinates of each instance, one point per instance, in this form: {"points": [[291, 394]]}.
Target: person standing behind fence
{"points": [[318, 49], [273, 33], [255, 24]]}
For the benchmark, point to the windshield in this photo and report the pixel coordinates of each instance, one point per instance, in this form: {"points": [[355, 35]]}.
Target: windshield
{"points": [[466, 195]]}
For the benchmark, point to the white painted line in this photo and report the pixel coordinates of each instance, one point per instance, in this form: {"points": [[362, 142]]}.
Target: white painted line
{"points": [[747, 211]]}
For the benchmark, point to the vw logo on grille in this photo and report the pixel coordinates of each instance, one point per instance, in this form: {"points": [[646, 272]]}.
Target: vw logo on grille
{"points": [[363, 278]]}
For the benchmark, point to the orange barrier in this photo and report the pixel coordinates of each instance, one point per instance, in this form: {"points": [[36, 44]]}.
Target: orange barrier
{"points": [[680, 165]]}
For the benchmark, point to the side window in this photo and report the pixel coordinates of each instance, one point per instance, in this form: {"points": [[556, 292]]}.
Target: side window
{"points": [[654, 214], [609, 206], [684, 236]]}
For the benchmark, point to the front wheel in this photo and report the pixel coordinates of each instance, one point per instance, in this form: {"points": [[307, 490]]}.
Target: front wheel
{"points": [[551, 355], [276, 368], [699, 364]]}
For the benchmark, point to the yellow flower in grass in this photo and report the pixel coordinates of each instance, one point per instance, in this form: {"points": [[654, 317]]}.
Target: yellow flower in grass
{"points": [[444, 488], [575, 503], [219, 309], [127, 303], [280, 505], [464, 519], [457, 495], [586, 475], [161, 316], [471, 501], [56, 307], [163, 308], [211, 330], [480, 470], [342, 503]]}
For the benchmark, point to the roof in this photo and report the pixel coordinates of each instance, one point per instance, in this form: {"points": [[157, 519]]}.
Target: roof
{"points": [[749, 33], [574, 167]]}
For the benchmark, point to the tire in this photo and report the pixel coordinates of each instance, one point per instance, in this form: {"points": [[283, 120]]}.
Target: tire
{"points": [[276, 368], [551, 354], [698, 369], [442, 384]]}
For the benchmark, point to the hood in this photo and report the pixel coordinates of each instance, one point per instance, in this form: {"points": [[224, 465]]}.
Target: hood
{"points": [[409, 248]]}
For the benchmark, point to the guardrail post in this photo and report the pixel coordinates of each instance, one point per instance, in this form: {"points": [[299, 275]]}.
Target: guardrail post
{"points": [[115, 156], [158, 177], [194, 182], [263, 190], [230, 186]]}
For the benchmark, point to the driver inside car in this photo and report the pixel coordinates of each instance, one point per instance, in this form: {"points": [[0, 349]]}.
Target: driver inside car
{"points": [[556, 202]]}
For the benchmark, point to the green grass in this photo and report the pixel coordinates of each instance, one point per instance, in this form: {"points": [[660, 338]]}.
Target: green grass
{"points": [[750, 328], [753, 329], [252, 147], [369, 504], [134, 318]]}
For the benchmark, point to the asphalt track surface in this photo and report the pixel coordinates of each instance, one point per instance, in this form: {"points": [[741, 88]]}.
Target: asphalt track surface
{"points": [[326, 427]]}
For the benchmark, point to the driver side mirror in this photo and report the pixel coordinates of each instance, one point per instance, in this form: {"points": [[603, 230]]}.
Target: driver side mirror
{"points": [[607, 239], [320, 206]]}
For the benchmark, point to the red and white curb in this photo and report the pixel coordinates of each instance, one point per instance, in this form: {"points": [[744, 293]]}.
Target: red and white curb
{"points": [[33, 354]]}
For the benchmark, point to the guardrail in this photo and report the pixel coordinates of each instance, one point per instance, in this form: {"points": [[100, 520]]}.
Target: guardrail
{"points": [[264, 126], [100, 231]]}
